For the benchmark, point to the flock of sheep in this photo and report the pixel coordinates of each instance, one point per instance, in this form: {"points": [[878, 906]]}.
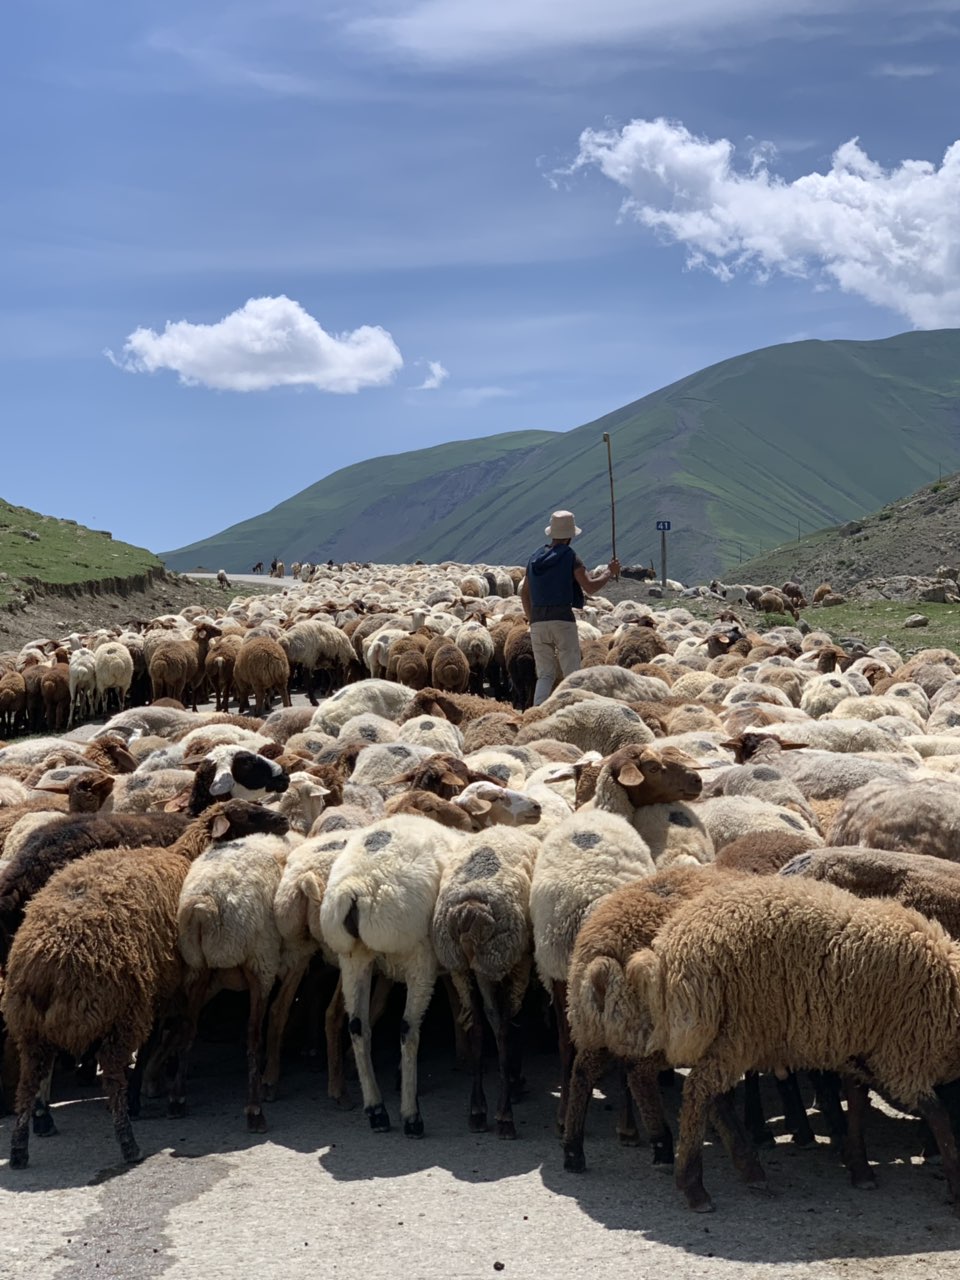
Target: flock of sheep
{"points": [[709, 850]]}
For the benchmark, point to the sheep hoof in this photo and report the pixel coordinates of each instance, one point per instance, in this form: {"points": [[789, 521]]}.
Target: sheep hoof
{"points": [[131, 1153], [269, 1092], [19, 1157], [477, 1122], [763, 1137], [379, 1120], [863, 1182], [574, 1160], [256, 1121], [506, 1129], [43, 1126], [413, 1127], [628, 1138], [700, 1203], [804, 1140], [344, 1101], [933, 1159], [177, 1108]]}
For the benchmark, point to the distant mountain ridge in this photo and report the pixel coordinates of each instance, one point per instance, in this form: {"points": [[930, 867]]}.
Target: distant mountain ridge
{"points": [[734, 456]]}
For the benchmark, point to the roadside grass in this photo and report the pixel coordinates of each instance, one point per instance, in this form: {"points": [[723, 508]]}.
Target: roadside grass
{"points": [[63, 552]]}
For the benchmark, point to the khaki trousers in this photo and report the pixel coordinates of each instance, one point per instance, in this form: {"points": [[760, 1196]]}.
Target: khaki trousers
{"points": [[556, 651]]}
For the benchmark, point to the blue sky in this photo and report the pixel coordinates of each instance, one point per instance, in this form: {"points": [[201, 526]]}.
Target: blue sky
{"points": [[541, 209]]}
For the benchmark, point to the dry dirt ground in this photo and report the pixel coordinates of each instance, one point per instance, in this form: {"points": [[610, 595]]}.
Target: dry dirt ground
{"points": [[322, 1195]]}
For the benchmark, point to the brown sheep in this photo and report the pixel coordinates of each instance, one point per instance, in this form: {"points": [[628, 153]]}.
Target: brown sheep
{"points": [[218, 667], [821, 592], [459, 708], [428, 805], [491, 730], [450, 670], [261, 668], [13, 703], [598, 1007], [411, 669], [96, 957], [640, 643], [55, 692], [761, 853], [521, 667]]}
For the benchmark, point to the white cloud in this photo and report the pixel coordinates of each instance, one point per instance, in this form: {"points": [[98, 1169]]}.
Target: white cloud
{"points": [[906, 70], [472, 397], [268, 342], [468, 31], [434, 378], [891, 236]]}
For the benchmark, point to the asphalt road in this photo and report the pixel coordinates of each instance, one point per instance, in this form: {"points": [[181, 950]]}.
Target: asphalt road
{"points": [[320, 1195]]}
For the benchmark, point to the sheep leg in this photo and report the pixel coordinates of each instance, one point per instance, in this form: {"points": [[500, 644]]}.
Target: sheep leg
{"points": [[642, 1077], [566, 1048], [36, 1062], [279, 1016], [421, 978], [753, 1118], [588, 1066], [259, 990], [461, 1039], [738, 1145], [356, 976], [794, 1112], [43, 1126], [626, 1121], [470, 1022], [115, 1053], [703, 1085], [496, 1003], [197, 993], [938, 1118], [854, 1147], [333, 1031], [827, 1085]]}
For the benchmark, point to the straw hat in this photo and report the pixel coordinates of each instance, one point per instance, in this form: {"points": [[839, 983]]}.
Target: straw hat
{"points": [[562, 525]]}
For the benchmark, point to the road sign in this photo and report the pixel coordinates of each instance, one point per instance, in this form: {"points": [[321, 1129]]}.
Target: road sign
{"points": [[663, 526]]}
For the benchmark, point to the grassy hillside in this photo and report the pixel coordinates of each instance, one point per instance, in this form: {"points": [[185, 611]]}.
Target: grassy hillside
{"points": [[910, 536], [734, 456], [62, 553], [368, 511]]}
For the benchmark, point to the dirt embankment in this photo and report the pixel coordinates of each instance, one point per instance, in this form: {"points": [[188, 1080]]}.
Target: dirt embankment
{"points": [[54, 610]]}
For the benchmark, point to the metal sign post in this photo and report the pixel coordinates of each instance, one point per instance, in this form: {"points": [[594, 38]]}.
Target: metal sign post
{"points": [[663, 528]]}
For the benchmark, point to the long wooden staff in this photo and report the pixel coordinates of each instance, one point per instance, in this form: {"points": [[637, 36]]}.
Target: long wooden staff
{"points": [[613, 502]]}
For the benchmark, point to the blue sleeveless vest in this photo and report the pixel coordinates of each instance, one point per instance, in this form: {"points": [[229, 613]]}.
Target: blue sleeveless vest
{"points": [[551, 580]]}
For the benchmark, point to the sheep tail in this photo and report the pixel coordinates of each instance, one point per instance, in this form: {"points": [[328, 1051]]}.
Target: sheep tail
{"points": [[682, 1027], [472, 924], [600, 987], [351, 921], [202, 916]]}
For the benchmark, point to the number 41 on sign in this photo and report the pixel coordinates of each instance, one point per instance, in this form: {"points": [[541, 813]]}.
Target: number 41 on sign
{"points": [[663, 526]]}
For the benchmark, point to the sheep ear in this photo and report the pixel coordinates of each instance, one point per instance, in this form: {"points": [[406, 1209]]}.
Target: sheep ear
{"points": [[221, 825], [193, 762], [178, 804], [630, 776], [450, 779], [474, 804]]}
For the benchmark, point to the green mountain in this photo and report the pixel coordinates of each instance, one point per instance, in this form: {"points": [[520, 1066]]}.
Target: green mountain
{"points": [[735, 456]]}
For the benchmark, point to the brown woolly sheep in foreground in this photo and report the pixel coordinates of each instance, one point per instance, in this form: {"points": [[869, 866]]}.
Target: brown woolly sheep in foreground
{"points": [[880, 985], [96, 958]]}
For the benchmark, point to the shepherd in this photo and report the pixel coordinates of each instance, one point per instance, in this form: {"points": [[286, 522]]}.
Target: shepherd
{"points": [[555, 584]]}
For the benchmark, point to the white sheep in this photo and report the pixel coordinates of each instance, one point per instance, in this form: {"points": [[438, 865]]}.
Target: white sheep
{"points": [[482, 936], [228, 932], [114, 673], [588, 855], [376, 913]]}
